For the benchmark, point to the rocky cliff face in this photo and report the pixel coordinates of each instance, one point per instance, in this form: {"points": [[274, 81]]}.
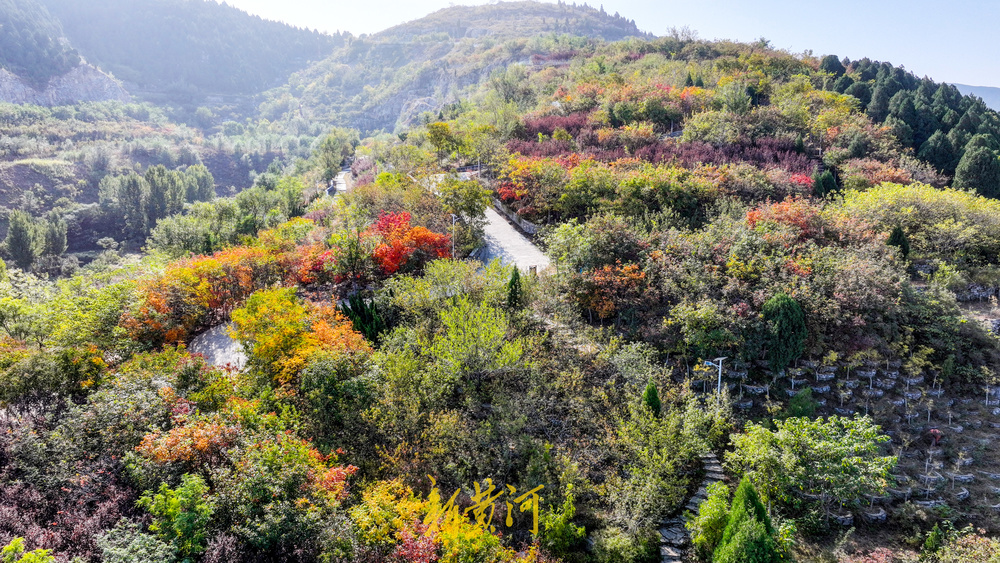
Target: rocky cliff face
{"points": [[84, 83]]}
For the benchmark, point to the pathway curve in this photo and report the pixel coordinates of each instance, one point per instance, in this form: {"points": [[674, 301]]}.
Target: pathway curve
{"points": [[505, 242], [674, 537], [219, 348]]}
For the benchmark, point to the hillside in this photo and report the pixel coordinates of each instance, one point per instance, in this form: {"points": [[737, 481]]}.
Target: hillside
{"points": [[188, 49], [386, 80], [30, 43], [759, 320]]}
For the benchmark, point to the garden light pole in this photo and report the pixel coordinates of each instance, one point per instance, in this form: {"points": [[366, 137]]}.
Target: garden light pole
{"points": [[453, 217], [717, 363]]}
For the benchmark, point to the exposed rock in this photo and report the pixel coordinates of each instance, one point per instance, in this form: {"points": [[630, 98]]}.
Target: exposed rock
{"points": [[84, 83]]}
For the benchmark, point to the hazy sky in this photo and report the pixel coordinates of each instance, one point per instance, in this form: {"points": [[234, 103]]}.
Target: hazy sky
{"points": [[949, 41]]}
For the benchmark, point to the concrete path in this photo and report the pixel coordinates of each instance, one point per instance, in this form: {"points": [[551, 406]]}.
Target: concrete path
{"points": [[339, 184], [505, 242], [218, 348]]}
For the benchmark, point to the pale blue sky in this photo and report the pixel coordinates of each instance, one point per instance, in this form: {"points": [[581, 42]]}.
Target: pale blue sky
{"points": [[949, 41]]}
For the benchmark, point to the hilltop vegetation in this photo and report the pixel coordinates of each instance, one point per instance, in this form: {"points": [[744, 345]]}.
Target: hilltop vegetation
{"points": [[388, 79]]}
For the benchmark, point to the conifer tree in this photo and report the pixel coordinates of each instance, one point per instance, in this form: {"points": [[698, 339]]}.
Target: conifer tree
{"points": [[515, 292], [788, 332], [824, 184], [651, 398], [749, 534], [23, 241], [898, 239], [688, 82], [979, 170], [699, 82]]}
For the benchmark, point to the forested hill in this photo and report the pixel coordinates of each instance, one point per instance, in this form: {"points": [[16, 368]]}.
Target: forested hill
{"points": [[193, 47], [516, 19], [387, 79], [30, 45]]}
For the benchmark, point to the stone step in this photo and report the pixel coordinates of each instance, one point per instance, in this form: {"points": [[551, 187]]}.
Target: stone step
{"points": [[713, 466], [669, 552], [675, 536], [717, 475]]}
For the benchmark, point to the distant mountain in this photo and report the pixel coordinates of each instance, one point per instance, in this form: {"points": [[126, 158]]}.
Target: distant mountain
{"points": [[989, 94], [516, 19], [30, 43], [188, 48], [385, 80]]}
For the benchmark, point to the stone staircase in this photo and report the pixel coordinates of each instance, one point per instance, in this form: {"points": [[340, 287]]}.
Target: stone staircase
{"points": [[674, 537]]}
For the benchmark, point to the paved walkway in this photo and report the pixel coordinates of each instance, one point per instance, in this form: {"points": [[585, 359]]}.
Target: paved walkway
{"points": [[505, 242], [218, 348], [340, 184]]}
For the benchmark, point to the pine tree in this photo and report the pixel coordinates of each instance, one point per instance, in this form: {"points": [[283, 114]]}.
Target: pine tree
{"points": [[832, 64], [651, 398], [515, 292], [979, 170], [23, 244], [898, 239], [938, 151], [699, 82], [788, 331], [749, 534], [688, 82], [824, 184]]}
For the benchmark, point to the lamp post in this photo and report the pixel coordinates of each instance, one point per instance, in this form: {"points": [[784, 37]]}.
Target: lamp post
{"points": [[717, 363], [453, 217]]}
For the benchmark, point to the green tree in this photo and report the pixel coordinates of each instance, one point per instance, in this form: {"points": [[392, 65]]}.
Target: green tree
{"points": [[979, 170], [651, 398], [181, 515], [832, 64], [441, 136], [898, 239], [787, 331], [835, 460], [334, 150], [938, 151], [824, 184], [709, 524], [54, 236], [15, 552], [688, 81], [515, 293], [199, 183], [24, 242]]}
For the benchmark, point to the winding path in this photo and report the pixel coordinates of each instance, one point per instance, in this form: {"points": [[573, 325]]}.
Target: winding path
{"points": [[505, 242]]}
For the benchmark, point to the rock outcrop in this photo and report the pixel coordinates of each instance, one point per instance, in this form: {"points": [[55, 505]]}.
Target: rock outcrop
{"points": [[84, 83]]}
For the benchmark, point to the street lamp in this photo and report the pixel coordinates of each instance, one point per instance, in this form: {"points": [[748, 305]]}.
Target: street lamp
{"points": [[453, 217], [717, 363]]}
